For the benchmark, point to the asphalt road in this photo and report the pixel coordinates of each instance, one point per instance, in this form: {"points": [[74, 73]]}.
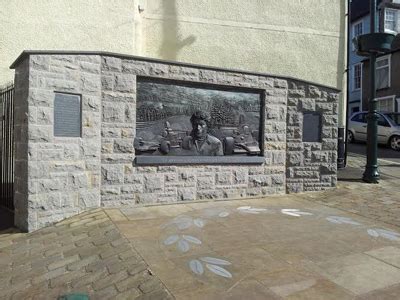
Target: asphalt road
{"points": [[388, 162], [384, 153]]}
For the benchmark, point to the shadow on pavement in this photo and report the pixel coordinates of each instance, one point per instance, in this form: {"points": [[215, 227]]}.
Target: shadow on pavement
{"points": [[352, 174]]}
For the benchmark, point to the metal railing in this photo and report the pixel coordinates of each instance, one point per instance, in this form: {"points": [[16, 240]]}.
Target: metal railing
{"points": [[7, 147]]}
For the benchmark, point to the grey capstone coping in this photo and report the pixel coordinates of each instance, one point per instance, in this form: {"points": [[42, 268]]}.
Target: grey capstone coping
{"points": [[57, 177]]}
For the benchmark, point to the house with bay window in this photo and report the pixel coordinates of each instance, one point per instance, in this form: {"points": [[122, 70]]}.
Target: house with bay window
{"points": [[386, 67], [389, 16], [387, 81]]}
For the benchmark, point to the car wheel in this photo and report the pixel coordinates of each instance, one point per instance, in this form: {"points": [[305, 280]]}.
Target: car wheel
{"points": [[165, 147], [229, 145], [395, 143], [350, 137]]}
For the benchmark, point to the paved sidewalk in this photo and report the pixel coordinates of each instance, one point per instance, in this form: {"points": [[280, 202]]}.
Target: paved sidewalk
{"points": [[388, 168], [85, 253], [338, 244], [380, 202], [281, 247]]}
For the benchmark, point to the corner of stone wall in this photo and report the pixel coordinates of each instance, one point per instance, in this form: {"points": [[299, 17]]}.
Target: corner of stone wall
{"points": [[311, 166], [21, 194], [62, 174]]}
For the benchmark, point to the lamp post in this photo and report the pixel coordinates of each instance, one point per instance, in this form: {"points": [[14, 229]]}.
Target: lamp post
{"points": [[371, 45], [371, 173]]}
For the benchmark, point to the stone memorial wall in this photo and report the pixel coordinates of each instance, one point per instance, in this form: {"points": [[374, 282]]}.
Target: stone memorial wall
{"points": [[59, 176]]}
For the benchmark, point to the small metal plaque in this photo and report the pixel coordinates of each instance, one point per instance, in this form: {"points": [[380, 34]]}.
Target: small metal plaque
{"points": [[311, 127], [67, 115]]}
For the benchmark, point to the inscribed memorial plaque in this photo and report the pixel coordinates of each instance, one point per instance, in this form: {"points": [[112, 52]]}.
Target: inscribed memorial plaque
{"points": [[67, 115]]}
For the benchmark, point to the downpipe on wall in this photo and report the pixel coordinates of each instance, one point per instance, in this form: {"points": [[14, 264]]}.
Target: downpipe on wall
{"points": [[343, 113], [342, 153]]}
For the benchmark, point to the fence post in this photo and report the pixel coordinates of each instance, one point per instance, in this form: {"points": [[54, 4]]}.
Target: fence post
{"points": [[7, 147]]}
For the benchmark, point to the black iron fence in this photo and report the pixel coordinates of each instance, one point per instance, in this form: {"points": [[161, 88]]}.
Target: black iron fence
{"points": [[7, 147]]}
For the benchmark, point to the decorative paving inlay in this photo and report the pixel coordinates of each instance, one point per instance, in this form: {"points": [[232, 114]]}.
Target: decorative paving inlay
{"points": [[387, 234], [341, 220], [213, 264], [194, 237]]}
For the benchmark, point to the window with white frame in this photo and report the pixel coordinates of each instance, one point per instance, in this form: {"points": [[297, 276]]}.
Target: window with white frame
{"points": [[357, 74], [357, 30], [391, 21], [382, 79], [385, 104]]}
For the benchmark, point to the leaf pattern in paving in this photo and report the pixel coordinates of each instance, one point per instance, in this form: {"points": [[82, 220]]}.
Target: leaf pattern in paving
{"points": [[199, 223], [196, 267], [219, 271], [185, 222], [251, 210], [183, 241], [387, 234], [294, 212], [223, 214], [341, 220], [216, 261], [213, 264]]}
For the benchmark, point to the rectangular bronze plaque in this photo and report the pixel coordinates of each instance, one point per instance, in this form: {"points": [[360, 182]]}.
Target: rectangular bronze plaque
{"points": [[175, 118], [67, 115]]}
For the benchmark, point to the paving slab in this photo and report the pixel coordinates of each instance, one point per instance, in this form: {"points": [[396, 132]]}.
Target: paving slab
{"points": [[390, 255], [360, 273]]}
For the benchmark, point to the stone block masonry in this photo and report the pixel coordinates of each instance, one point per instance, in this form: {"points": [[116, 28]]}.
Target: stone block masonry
{"points": [[57, 177], [61, 175], [311, 166]]}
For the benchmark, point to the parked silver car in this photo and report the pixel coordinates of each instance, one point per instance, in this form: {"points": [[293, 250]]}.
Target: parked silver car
{"points": [[388, 128]]}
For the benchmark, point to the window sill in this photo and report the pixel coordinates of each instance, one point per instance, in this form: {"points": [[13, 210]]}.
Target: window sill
{"points": [[383, 89]]}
